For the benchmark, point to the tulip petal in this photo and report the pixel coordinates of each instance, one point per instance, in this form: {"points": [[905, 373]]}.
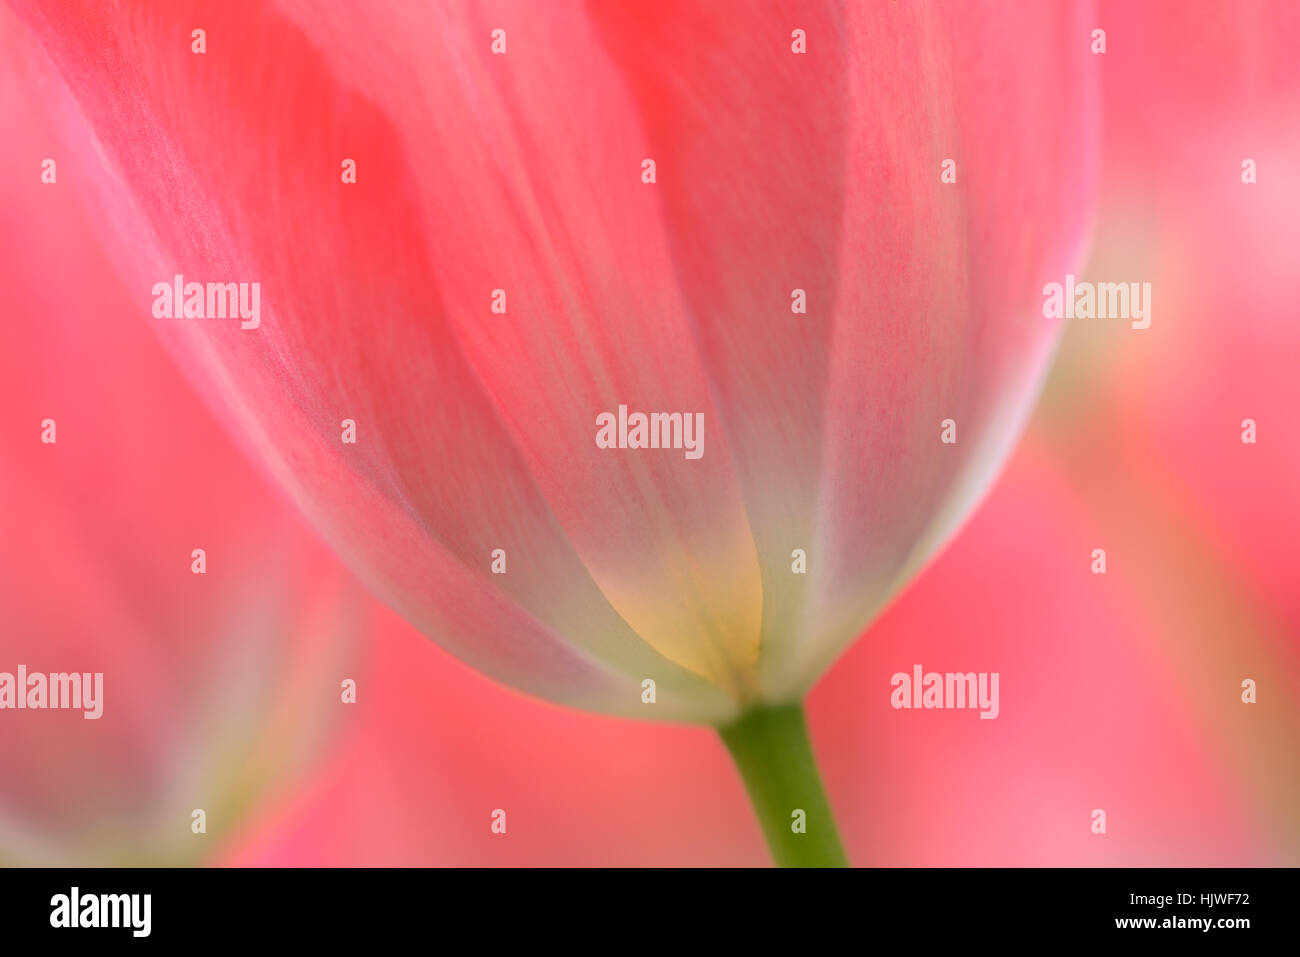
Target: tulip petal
{"points": [[434, 483], [750, 138], [539, 194], [821, 171], [939, 310]]}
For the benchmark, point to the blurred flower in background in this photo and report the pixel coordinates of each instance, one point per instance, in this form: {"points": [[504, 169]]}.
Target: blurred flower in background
{"points": [[219, 689]]}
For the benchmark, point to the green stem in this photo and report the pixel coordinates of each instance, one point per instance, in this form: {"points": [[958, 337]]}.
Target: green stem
{"points": [[771, 750]]}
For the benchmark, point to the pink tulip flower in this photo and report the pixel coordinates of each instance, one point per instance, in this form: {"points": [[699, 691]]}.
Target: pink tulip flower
{"points": [[483, 231]]}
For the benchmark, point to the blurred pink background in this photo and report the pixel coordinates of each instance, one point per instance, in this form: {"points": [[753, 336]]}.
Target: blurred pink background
{"points": [[1119, 692]]}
